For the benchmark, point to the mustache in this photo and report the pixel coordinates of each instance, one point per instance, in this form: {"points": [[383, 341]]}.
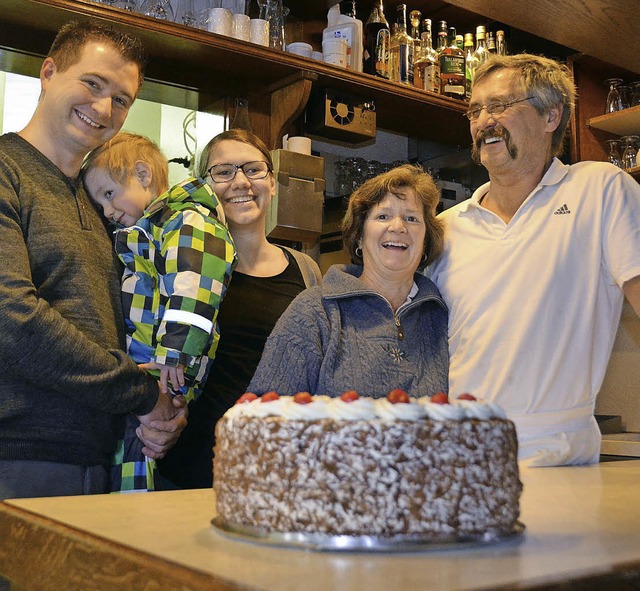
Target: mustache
{"points": [[484, 134]]}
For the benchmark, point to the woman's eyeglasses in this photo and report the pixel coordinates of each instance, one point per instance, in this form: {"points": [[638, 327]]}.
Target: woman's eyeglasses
{"points": [[223, 173]]}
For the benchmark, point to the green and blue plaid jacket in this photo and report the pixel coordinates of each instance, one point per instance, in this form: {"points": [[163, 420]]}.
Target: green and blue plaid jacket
{"points": [[178, 262]]}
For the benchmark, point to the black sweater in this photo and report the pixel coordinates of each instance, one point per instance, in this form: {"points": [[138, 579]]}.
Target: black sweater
{"points": [[65, 382]]}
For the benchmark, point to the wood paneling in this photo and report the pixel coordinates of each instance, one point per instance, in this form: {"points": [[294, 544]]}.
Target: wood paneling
{"points": [[606, 29]]}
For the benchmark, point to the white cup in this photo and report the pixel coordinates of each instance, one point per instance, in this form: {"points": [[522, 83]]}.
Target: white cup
{"points": [[300, 48], [297, 143], [241, 27], [219, 21], [259, 31], [334, 51], [317, 55]]}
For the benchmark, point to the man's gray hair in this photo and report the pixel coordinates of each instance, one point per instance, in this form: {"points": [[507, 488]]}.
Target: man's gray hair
{"points": [[547, 81]]}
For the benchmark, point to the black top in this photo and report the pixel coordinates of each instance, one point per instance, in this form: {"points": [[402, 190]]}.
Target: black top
{"points": [[248, 313]]}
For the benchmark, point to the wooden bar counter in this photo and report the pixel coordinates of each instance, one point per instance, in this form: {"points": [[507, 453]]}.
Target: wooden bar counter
{"points": [[582, 532]]}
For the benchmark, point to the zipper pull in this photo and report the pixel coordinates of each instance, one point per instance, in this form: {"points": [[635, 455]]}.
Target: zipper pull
{"points": [[399, 327]]}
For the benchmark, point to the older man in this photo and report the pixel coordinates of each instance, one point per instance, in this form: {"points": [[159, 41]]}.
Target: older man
{"points": [[65, 383], [537, 263]]}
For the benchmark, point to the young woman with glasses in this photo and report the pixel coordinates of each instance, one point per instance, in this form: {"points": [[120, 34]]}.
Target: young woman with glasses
{"points": [[239, 168]]}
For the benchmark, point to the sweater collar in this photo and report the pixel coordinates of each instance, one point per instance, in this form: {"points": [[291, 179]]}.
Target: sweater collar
{"points": [[343, 281]]}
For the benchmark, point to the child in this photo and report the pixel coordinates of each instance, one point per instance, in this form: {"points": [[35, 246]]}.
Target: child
{"points": [[178, 257]]}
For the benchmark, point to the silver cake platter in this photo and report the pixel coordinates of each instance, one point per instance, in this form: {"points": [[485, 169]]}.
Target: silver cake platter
{"points": [[330, 543]]}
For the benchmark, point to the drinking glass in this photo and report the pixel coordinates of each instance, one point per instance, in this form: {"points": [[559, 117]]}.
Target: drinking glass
{"points": [[614, 152], [341, 186], [275, 13], [629, 156], [614, 102], [128, 5], [186, 14], [160, 9], [635, 94]]}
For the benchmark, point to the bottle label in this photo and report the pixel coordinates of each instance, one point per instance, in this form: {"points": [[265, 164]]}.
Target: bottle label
{"points": [[382, 53], [431, 80], [452, 64], [405, 65], [456, 89]]}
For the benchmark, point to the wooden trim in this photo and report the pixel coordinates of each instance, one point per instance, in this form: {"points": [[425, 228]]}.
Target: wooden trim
{"points": [[72, 559]]}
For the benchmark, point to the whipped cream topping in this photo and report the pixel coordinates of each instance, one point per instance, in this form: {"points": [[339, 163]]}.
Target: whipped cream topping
{"points": [[318, 409], [442, 412], [403, 411], [481, 409], [364, 408]]}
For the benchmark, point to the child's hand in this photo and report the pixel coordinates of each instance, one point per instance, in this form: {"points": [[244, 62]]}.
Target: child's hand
{"points": [[173, 374]]}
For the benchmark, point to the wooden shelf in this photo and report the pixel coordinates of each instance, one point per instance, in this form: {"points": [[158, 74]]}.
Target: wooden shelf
{"points": [[625, 122], [218, 66]]}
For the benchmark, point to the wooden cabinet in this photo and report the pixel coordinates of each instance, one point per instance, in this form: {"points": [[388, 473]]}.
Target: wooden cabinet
{"points": [[626, 122], [278, 84], [590, 127]]}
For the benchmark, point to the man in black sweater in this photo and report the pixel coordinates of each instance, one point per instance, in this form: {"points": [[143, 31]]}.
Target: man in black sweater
{"points": [[66, 383]]}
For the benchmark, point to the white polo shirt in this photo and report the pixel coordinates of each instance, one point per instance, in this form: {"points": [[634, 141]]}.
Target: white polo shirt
{"points": [[534, 304]]}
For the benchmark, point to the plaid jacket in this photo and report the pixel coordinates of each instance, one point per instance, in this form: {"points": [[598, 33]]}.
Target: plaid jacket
{"points": [[178, 261]]}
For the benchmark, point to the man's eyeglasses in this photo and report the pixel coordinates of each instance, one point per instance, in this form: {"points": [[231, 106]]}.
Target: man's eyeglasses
{"points": [[493, 108], [223, 173]]}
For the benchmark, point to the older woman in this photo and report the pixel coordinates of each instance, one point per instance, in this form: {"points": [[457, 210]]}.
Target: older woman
{"points": [[238, 166], [377, 324]]}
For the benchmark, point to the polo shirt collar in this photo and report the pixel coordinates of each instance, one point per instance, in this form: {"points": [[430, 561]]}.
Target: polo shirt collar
{"points": [[554, 175]]}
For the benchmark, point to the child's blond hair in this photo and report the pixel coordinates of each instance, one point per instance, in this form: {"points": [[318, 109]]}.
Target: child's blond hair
{"points": [[119, 155]]}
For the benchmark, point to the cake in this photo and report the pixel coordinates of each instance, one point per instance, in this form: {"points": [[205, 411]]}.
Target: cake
{"points": [[394, 468]]}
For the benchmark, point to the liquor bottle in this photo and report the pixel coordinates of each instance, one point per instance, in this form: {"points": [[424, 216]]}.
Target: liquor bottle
{"points": [[426, 71], [481, 53], [442, 38], [501, 45], [414, 18], [452, 66], [377, 37], [491, 42], [348, 8], [460, 42], [401, 62], [469, 63]]}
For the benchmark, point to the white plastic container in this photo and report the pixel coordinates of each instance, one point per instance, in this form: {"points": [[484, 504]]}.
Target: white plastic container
{"points": [[300, 48], [346, 27]]}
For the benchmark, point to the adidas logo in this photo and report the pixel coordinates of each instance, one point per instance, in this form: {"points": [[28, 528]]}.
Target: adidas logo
{"points": [[562, 210]]}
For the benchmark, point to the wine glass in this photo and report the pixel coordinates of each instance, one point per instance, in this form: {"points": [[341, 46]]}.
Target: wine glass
{"points": [[614, 152], [614, 102], [635, 93], [629, 156], [160, 9], [624, 90]]}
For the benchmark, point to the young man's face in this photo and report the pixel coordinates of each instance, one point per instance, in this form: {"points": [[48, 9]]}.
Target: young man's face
{"points": [[122, 204], [86, 105]]}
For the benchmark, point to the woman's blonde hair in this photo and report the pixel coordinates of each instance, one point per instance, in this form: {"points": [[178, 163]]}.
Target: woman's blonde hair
{"points": [[119, 155], [375, 190]]}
